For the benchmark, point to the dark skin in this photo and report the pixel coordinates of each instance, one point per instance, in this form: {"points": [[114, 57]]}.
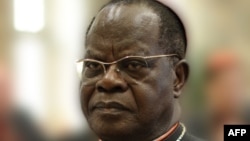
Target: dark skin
{"points": [[139, 108]]}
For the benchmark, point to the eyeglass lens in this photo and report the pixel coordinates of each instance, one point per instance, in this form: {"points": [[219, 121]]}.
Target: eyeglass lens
{"points": [[133, 67]]}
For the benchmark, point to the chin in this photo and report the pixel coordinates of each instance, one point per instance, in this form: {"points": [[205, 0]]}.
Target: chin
{"points": [[113, 128]]}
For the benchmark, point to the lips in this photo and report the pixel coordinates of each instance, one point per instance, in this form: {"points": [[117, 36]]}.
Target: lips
{"points": [[109, 106]]}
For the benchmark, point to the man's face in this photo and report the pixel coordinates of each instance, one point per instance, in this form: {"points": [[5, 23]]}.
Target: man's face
{"points": [[120, 105]]}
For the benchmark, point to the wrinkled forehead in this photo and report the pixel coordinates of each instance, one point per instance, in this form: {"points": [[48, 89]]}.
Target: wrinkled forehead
{"points": [[121, 28], [132, 18]]}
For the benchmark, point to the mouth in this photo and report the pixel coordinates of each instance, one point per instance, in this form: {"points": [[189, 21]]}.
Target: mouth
{"points": [[109, 107]]}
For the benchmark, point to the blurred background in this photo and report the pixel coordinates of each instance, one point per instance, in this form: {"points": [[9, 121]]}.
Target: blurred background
{"points": [[41, 39]]}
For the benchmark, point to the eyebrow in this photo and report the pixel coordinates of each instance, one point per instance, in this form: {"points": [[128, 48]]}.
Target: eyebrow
{"points": [[131, 54], [99, 57], [90, 54], [125, 48], [140, 47]]}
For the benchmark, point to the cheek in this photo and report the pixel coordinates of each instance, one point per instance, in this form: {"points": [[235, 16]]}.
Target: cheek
{"points": [[86, 94], [153, 96]]}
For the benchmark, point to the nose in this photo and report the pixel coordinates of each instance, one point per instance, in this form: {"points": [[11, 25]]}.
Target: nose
{"points": [[112, 82]]}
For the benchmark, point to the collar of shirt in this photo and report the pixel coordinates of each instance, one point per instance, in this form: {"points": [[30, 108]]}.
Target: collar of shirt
{"points": [[168, 133]]}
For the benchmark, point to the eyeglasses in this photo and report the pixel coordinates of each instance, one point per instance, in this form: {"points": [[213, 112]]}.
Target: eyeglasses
{"points": [[133, 66]]}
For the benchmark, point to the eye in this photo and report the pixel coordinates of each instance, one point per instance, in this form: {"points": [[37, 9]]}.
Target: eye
{"points": [[134, 65], [92, 69], [93, 65]]}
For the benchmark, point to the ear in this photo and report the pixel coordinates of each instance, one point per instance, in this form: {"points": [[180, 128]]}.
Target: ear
{"points": [[181, 75]]}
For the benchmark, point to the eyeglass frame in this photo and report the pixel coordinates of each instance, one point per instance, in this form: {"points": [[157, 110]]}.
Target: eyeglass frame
{"points": [[126, 57]]}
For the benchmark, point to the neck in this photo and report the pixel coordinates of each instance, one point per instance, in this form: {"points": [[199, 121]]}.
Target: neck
{"points": [[166, 126], [161, 138], [176, 113]]}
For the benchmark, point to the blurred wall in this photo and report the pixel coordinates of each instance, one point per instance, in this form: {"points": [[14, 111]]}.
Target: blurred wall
{"points": [[46, 83], [6, 28]]}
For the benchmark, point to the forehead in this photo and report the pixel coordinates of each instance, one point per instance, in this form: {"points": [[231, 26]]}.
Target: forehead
{"points": [[124, 28]]}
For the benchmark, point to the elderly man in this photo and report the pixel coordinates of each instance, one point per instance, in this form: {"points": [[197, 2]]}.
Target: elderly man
{"points": [[133, 73]]}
